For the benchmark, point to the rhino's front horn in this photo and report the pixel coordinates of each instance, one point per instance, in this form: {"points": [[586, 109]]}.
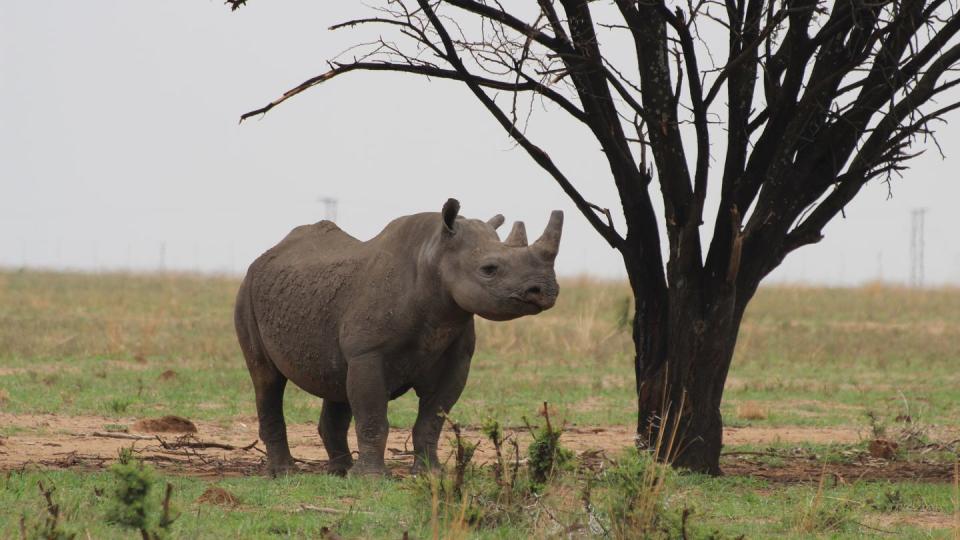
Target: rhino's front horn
{"points": [[548, 244], [518, 235]]}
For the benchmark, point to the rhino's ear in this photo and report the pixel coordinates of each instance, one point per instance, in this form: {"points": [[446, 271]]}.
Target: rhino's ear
{"points": [[450, 210], [496, 221]]}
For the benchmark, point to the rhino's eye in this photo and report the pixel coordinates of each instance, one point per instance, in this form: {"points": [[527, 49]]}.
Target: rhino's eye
{"points": [[489, 270]]}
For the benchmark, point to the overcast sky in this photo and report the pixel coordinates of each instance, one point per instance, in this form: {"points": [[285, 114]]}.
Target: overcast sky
{"points": [[120, 149]]}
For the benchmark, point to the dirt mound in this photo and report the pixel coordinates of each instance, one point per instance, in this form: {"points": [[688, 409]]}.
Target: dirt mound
{"points": [[165, 424], [883, 449], [167, 375], [218, 496]]}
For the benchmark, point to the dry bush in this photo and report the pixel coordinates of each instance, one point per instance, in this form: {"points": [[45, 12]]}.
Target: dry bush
{"points": [[823, 516], [751, 410]]}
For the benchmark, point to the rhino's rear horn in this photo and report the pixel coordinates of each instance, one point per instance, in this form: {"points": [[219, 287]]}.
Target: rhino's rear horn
{"points": [[518, 235], [548, 244]]}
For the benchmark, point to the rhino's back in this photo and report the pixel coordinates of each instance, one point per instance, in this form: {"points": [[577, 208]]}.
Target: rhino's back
{"points": [[314, 260], [298, 291]]}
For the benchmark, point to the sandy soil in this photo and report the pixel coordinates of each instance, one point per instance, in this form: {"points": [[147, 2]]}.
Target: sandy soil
{"points": [[232, 448]]}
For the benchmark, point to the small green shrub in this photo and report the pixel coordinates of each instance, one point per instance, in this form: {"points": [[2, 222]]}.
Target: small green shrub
{"points": [[823, 515], [51, 528], [131, 506], [891, 501], [546, 455], [119, 405], [636, 495]]}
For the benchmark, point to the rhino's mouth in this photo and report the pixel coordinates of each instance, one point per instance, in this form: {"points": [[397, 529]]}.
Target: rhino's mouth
{"points": [[513, 307], [528, 303]]}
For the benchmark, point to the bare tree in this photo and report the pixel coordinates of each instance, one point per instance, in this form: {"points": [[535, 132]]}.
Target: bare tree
{"points": [[816, 99]]}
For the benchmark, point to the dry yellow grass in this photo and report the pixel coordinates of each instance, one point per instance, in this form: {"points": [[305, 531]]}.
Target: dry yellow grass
{"points": [[56, 315], [581, 326]]}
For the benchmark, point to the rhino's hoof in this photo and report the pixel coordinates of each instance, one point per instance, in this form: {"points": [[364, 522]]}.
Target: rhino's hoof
{"points": [[363, 469], [280, 469], [338, 470], [339, 466], [420, 467]]}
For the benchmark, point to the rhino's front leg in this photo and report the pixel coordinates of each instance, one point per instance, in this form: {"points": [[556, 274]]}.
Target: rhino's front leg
{"points": [[437, 399], [367, 393]]}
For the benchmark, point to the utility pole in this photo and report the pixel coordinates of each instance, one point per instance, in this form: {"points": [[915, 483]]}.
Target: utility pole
{"points": [[917, 218], [329, 208]]}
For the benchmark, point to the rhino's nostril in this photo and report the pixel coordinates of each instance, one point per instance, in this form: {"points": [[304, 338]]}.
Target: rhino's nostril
{"points": [[534, 291]]}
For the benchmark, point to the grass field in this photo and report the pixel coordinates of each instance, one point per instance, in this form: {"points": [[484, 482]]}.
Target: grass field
{"points": [[818, 375]]}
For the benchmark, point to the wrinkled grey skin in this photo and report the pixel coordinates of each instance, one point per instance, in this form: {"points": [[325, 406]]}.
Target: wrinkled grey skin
{"points": [[361, 323]]}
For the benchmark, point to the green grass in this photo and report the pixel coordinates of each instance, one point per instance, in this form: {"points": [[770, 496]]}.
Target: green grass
{"points": [[85, 344], [268, 508], [384, 509]]}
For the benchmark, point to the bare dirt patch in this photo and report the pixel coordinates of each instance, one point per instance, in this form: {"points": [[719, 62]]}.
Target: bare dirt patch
{"points": [[735, 436], [922, 520], [810, 470], [38, 369], [232, 449]]}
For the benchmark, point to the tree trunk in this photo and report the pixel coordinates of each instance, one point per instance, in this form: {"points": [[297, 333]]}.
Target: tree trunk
{"points": [[684, 350]]}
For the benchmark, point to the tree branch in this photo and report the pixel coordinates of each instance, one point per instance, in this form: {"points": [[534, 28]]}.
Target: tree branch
{"points": [[542, 158], [425, 70], [699, 114], [555, 44]]}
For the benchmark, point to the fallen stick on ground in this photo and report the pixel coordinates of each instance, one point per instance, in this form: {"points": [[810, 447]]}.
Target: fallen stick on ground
{"points": [[182, 443], [326, 510], [766, 454], [126, 436], [175, 444]]}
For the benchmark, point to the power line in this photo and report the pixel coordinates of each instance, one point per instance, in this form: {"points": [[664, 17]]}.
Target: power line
{"points": [[917, 245]]}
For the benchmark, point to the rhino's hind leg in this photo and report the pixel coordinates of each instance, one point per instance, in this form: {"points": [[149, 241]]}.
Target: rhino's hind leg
{"points": [[273, 429], [268, 383], [333, 426]]}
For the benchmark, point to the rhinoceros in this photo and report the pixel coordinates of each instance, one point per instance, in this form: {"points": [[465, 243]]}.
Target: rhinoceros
{"points": [[361, 323]]}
